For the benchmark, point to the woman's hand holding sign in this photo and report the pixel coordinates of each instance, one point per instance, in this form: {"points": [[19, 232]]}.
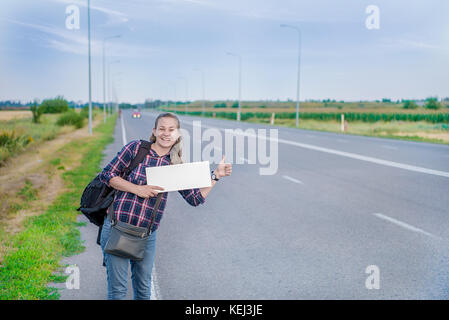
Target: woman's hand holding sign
{"points": [[147, 191]]}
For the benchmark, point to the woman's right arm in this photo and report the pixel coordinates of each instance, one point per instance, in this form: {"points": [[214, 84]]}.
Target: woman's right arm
{"points": [[143, 191], [111, 174]]}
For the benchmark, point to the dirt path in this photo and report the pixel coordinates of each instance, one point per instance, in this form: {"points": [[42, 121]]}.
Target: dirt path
{"points": [[34, 168]]}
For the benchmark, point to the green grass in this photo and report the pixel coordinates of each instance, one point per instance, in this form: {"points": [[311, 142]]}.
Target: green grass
{"points": [[28, 192], [18, 134], [35, 253]]}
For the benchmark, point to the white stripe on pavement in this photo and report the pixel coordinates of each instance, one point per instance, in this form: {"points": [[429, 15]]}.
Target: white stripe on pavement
{"points": [[404, 225], [292, 179], [123, 130], [345, 154]]}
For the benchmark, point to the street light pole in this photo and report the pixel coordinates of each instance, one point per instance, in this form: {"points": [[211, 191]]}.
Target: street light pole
{"points": [[299, 64], [115, 90], [202, 87], [90, 80], [240, 82], [187, 92], [104, 75], [110, 83]]}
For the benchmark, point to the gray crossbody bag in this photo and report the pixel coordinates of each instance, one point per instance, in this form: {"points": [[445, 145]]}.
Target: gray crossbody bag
{"points": [[127, 240]]}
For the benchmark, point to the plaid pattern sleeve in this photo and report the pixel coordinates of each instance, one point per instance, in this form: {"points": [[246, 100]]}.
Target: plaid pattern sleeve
{"points": [[123, 159], [192, 196]]}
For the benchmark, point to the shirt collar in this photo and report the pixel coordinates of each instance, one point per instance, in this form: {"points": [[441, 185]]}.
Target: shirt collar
{"points": [[155, 154]]}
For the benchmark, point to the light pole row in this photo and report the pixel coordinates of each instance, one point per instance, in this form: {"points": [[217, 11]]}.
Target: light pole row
{"points": [[104, 74], [104, 71]]}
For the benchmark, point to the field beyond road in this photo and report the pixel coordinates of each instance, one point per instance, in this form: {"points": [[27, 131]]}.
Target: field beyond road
{"points": [[387, 120]]}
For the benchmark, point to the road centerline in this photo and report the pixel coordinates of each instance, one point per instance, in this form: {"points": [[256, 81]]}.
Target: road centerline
{"points": [[356, 156], [405, 225]]}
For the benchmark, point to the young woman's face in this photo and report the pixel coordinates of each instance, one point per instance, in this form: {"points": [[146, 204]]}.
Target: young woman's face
{"points": [[166, 132]]}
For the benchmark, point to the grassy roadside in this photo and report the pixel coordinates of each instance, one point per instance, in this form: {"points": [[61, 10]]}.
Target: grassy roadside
{"points": [[34, 254], [420, 131], [18, 134]]}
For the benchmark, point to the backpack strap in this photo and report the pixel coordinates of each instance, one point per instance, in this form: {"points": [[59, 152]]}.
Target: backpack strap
{"points": [[153, 215], [144, 149]]}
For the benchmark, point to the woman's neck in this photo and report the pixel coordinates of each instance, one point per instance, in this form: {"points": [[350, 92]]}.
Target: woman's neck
{"points": [[160, 151]]}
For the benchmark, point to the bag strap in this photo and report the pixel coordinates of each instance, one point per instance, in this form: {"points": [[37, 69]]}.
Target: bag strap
{"points": [[144, 149], [153, 216]]}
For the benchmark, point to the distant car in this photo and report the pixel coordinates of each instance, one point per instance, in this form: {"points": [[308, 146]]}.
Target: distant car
{"points": [[137, 115]]}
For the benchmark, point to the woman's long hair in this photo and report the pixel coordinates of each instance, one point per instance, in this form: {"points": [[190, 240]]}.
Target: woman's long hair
{"points": [[176, 149]]}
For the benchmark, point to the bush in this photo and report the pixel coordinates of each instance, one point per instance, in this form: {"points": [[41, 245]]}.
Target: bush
{"points": [[71, 118], [220, 105], [410, 104], [57, 105], [11, 142], [85, 112], [432, 103], [37, 112], [235, 105]]}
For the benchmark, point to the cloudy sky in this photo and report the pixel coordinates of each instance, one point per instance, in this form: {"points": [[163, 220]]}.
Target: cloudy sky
{"points": [[164, 44]]}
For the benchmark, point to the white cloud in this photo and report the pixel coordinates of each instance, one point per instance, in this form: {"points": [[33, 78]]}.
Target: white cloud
{"points": [[74, 42]]}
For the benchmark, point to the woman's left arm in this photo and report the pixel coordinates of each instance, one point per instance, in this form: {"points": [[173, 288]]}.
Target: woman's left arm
{"points": [[223, 170], [197, 196]]}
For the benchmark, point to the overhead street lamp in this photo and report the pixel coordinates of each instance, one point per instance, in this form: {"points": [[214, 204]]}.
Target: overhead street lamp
{"points": [[114, 87], [104, 74], [90, 71], [299, 64], [110, 84], [187, 91], [202, 85], [174, 90], [240, 81]]}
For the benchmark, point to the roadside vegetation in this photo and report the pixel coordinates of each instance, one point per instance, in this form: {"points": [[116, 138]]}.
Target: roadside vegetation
{"points": [[40, 193], [45, 122], [428, 122]]}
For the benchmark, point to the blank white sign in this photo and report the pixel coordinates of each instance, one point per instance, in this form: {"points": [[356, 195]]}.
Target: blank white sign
{"points": [[180, 176]]}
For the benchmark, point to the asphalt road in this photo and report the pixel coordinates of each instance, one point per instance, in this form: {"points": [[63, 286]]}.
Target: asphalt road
{"points": [[336, 205]]}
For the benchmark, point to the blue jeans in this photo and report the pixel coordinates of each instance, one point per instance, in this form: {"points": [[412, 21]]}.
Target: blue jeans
{"points": [[117, 269]]}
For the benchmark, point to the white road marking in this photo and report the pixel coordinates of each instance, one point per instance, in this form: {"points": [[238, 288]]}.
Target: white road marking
{"points": [[155, 291], [123, 130], [347, 154], [292, 179], [244, 159], [389, 147], [404, 225]]}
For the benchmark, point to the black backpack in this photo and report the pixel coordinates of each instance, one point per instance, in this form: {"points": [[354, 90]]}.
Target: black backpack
{"points": [[97, 196]]}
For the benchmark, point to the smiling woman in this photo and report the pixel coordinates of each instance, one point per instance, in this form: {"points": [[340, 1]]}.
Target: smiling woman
{"points": [[140, 207]]}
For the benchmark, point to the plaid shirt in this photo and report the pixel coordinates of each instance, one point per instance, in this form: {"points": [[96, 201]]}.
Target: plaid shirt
{"points": [[131, 208]]}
